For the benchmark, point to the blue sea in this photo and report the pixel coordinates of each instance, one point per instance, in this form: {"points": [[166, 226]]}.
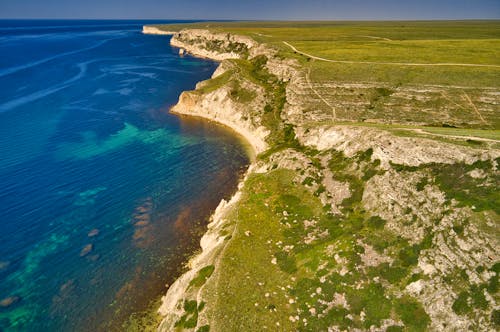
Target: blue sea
{"points": [[103, 193]]}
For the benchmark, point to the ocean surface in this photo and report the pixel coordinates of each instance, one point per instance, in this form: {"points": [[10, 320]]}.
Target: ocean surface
{"points": [[103, 194]]}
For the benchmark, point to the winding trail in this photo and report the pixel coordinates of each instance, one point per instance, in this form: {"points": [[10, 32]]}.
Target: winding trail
{"points": [[424, 132], [389, 63]]}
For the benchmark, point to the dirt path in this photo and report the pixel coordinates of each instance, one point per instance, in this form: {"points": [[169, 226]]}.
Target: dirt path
{"points": [[374, 37], [475, 138], [474, 107], [390, 63], [334, 113]]}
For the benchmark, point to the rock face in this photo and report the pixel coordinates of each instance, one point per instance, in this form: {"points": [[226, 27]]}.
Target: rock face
{"points": [[155, 31], [219, 107], [389, 148], [217, 104], [216, 46], [212, 243]]}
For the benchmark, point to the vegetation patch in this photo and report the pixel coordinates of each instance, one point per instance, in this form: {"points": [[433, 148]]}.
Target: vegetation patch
{"points": [[190, 319], [458, 184], [456, 181], [202, 276], [412, 314]]}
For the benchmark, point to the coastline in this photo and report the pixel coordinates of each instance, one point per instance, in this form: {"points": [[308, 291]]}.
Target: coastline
{"points": [[324, 173], [212, 243], [187, 103]]}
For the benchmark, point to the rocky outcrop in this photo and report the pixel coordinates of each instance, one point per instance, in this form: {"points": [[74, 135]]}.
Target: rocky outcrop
{"points": [[219, 107], [389, 148], [215, 46], [149, 30], [206, 44], [217, 104]]}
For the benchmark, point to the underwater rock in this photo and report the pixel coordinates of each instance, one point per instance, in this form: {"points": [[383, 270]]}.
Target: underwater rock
{"points": [[8, 301], [4, 265], [141, 209], [94, 258], [143, 217], [141, 223], [67, 286], [85, 250]]}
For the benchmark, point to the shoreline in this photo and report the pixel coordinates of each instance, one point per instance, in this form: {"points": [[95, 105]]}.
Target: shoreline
{"points": [[250, 149], [211, 243], [250, 139]]}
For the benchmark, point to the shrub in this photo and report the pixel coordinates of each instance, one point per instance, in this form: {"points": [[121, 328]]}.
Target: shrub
{"points": [[461, 304], [412, 314], [202, 276]]}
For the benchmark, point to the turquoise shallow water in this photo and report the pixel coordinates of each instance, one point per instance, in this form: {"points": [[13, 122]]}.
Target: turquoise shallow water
{"points": [[103, 193]]}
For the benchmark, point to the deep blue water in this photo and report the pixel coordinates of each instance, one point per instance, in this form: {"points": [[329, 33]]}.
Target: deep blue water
{"points": [[102, 192]]}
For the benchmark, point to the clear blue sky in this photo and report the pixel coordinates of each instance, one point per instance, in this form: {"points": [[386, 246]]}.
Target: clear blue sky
{"points": [[252, 9]]}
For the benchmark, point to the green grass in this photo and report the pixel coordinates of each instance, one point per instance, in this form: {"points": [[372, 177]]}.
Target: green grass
{"points": [[202, 276], [455, 181], [273, 209], [475, 42], [403, 51], [495, 317], [215, 83], [412, 314], [392, 274], [240, 94], [407, 130], [460, 305], [474, 298], [427, 42], [320, 30], [204, 328], [246, 267], [190, 318], [489, 134]]}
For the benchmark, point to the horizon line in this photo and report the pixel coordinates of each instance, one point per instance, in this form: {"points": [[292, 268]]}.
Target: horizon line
{"points": [[256, 20]]}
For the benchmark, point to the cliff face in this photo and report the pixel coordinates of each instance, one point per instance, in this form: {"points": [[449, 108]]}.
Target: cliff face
{"points": [[390, 148], [216, 46], [217, 101], [335, 226], [149, 30], [218, 106]]}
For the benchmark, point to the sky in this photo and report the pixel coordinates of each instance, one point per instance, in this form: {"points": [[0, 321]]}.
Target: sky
{"points": [[252, 9]]}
